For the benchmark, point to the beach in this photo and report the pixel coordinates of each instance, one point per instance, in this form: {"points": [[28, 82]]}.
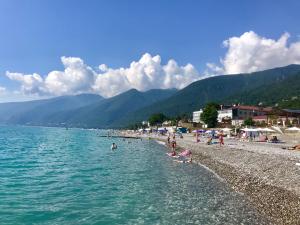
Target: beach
{"points": [[265, 173]]}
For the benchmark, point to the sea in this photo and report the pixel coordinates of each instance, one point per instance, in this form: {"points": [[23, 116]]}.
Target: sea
{"points": [[71, 176]]}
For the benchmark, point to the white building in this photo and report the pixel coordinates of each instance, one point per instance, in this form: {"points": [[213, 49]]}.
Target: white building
{"points": [[224, 114], [196, 116]]}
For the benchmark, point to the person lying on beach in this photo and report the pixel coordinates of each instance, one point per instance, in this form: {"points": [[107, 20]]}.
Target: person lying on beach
{"points": [[172, 154], [295, 147], [185, 157]]}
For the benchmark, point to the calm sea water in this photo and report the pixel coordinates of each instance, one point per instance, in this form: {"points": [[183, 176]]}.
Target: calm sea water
{"points": [[59, 176]]}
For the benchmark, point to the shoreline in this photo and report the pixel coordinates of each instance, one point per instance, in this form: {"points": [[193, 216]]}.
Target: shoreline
{"points": [[265, 174]]}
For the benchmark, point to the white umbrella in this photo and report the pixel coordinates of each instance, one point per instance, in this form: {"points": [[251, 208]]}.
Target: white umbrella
{"points": [[277, 129], [293, 129], [250, 130], [267, 130], [226, 129]]}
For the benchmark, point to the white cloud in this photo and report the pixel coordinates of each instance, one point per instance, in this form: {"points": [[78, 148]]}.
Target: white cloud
{"points": [[77, 77], [145, 74], [30, 84], [246, 53], [251, 52]]}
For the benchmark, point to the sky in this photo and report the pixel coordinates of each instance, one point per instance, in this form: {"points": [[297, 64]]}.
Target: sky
{"points": [[64, 47]]}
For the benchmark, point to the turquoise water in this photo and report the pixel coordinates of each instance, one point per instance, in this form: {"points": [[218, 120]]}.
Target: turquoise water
{"points": [[59, 176]]}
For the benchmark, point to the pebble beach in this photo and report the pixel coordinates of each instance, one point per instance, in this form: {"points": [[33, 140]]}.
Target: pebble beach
{"points": [[267, 174]]}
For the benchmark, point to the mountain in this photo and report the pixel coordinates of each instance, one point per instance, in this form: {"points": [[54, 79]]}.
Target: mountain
{"points": [[284, 93], [275, 86], [37, 112], [109, 112], [218, 88], [81, 110]]}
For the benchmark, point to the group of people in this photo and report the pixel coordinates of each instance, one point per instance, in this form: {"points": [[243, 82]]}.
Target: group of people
{"points": [[210, 138], [183, 157]]}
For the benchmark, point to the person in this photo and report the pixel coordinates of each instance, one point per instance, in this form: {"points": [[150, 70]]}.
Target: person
{"points": [[274, 139], [295, 147], [173, 145], [113, 146], [185, 157], [197, 137], [209, 141], [221, 139], [168, 139]]}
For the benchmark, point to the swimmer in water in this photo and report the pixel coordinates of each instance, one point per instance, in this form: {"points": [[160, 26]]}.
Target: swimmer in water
{"points": [[113, 146]]}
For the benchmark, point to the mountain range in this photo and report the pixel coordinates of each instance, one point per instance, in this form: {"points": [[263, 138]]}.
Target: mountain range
{"points": [[278, 86]]}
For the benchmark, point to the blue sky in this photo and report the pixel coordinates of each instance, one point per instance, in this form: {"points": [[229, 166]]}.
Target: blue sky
{"points": [[36, 34]]}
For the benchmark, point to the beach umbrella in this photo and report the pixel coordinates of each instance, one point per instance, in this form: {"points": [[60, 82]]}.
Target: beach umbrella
{"points": [[296, 129], [266, 130], [277, 129], [293, 129], [250, 129], [226, 129]]}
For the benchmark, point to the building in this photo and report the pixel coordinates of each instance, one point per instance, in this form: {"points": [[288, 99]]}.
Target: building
{"points": [[224, 114], [242, 112], [196, 116], [284, 117]]}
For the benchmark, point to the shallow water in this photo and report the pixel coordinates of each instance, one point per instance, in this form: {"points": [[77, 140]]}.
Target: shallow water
{"points": [[59, 176]]}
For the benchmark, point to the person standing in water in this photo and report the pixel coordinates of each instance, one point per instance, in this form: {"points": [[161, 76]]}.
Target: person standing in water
{"points": [[173, 145], [168, 139], [114, 146]]}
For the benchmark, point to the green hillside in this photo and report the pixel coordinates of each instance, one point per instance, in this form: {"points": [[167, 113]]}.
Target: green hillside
{"points": [[217, 89], [281, 93]]}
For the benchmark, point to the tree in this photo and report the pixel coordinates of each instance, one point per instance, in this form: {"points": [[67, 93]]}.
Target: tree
{"points": [[210, 115], [157, 118], [249, 122]]}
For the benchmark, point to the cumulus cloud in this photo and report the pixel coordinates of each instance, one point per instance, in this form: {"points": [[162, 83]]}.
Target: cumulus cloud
{"points": [[251, 52], [30, 83], [245, 54], [77, 77], [145, 74]]}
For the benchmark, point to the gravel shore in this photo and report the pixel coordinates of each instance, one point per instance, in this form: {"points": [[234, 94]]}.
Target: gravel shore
{"points": [[264, 173]]}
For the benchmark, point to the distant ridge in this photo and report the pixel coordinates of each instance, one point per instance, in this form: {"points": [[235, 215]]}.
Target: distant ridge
{"points": [[86, 110], [275, 86], [225, 88]]}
